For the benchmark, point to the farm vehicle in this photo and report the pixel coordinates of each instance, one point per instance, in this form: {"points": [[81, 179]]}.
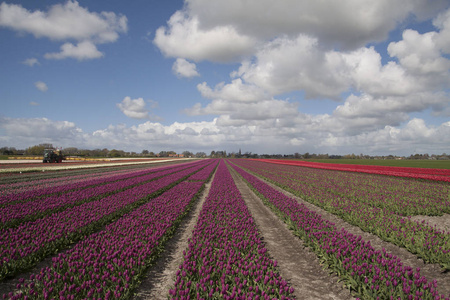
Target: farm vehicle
{"points": [[53, 156]]}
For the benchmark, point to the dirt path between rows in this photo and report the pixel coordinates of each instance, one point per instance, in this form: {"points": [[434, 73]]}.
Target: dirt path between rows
{"points": [[297, 265], [430, 271], [160, 277]]}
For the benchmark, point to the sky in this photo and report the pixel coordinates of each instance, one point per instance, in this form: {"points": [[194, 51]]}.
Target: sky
{"points": [[260, 76]]}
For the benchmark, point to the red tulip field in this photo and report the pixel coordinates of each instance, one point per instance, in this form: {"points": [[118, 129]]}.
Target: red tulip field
{"points": [[226, 229]]}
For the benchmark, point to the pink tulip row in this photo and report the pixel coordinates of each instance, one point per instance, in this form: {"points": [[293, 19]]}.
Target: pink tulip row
{"points": [[226, 258], [110, 263], [17, 213], [422, 173], [429, 243], [370, 273], [28, 243]]}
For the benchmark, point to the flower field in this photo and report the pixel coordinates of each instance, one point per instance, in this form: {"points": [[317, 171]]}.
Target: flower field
{"points": [[422, 173], [373, 274], [95, 233]]}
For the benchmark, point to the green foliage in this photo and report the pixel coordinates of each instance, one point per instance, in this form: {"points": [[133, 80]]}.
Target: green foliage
{"points": [[422, 163]]}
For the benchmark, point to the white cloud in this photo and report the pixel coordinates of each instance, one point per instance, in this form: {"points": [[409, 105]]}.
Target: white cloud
{"points": [[236, 91], [183, 68], [343, 24], [82, 51], [42, 86], [286, 64], [64, 21], [260, 138], [184, 39], [33, 103], [25, 132], [67, 21], [31, 62], [419, 53], [136, 108], [442, 22]]}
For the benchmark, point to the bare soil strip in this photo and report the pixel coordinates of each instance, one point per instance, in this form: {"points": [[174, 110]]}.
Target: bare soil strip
{"points": [[297, 265], [160, 277], [440, 222], [430, 271]]}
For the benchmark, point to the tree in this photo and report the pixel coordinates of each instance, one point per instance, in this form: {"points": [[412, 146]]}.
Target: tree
{"points": [[144, 152], [116, 153], [71, 151], [187, 154], [200, 154], [8, 150], [38, 149]]}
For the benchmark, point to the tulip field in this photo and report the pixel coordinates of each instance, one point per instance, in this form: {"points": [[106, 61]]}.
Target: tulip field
{"points": [[96, 233]]}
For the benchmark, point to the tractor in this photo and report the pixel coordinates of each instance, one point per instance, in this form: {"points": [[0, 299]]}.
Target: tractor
{"points": [[53, 156]]}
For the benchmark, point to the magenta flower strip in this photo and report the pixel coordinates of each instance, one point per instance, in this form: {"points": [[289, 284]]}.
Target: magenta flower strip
{"points": [[15, 184], [226, 258], [427, 242], [46, 191], [206, 173], [15, 214], [367, 272], [109, 264], [22, 247]]}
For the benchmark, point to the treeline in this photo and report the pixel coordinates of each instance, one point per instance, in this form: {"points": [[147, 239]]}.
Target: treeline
{"points": [[73, 151], [38, 150]]}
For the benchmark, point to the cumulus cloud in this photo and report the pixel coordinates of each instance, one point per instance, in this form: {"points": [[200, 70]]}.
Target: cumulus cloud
{"points": [[183, 68], [42, 86], [343, 24], [286, 64], [68, 21], [31, 62], [82, 51], [415, 135], [137, 108], [236, 91], [25, 132], [185, 39], [419, 53], [442, 22]]}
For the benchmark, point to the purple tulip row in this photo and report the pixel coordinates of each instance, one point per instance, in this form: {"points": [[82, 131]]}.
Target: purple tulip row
{"points": [[17, 213], [226, 258], [25, 245], [108, 264], [429, 243], [40, 192], [204, 175], [58, 179], [369, 273]]}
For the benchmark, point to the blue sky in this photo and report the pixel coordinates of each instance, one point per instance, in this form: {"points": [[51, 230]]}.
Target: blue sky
{"points": [[263, 76]]}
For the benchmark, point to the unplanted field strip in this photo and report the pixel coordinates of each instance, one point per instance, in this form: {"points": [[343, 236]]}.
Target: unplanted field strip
{"points": [[68, 167]]}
